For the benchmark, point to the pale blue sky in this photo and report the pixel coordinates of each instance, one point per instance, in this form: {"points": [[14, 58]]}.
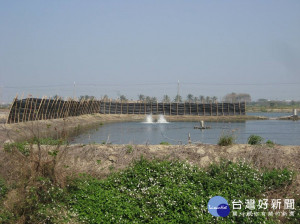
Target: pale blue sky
{"points": [[133, 47]]}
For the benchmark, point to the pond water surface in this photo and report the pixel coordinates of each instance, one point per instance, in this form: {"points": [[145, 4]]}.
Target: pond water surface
{"points": [[284, 132]]}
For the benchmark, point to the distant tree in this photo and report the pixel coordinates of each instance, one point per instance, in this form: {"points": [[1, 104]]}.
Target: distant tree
{"points": [[56, 97], [105, 98], [86, 97], [240, 97], [196, 99], [166, 99], [201, 98], [153, 100], [207, 99], [190, 97], [214, 99], [141, 97], [123, 98], [178, 99], [148, 99]]}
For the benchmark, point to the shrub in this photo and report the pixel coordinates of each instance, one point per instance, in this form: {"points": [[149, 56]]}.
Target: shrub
{"points": [[270, 143], [226, 140], [255, 140]]}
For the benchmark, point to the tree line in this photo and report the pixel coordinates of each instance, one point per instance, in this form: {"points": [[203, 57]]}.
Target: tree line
{"points": [[190, 98]]}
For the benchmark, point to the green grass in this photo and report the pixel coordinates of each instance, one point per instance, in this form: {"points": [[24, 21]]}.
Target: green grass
{"points": [[170, 192], [24, 146], [164, 143]]}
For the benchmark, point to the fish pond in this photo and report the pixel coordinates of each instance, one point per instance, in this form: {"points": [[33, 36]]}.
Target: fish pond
{"points": [[284, 132]]}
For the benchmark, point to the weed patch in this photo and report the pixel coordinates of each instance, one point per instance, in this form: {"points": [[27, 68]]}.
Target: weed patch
{"points": [[170, 192], [255, 140]]}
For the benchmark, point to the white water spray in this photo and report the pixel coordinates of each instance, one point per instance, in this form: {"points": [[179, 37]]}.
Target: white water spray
{"points": [[149, 119], [162, 119]]}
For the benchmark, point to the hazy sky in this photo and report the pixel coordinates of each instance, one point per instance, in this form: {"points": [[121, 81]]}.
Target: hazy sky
{"points": [[145, 47]]}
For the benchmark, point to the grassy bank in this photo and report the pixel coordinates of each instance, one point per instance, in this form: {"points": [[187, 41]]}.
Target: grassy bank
{"points": [[133, 184]]}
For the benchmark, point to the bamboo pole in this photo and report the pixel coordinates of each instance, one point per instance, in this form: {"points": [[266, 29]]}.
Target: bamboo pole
{"points": [[30, 111], [62, 109], [38, 112], [121, 106], [16, 108], [24, 110], [133, 107], [104, 102], [8, 120], [58, 109], [51, 108], [46, 115], [140, 107], [228, 109], [233, 108], [109, 106], [222, 108], [20, 107]]}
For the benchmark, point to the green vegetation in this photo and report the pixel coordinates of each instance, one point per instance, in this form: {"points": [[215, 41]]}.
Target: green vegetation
{"points": [[226, 140], [270, 143], [129, 148], [24, 146], [3, 188], [164, 143], [156, 191], [170, 192], [255, 140]]}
